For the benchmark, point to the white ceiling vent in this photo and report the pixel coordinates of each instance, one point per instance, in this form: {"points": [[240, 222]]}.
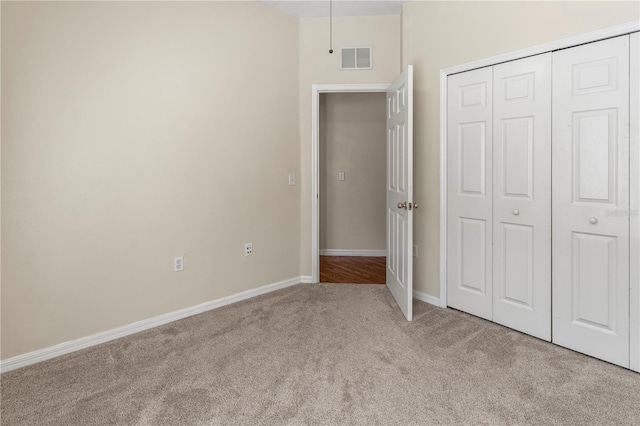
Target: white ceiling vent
{"points": [[356, 58]]}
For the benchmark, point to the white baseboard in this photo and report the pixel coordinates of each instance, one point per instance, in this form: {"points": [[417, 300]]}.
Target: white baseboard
{"points": [[338, 252], [427, 298], [85, 342], [306, 279]]}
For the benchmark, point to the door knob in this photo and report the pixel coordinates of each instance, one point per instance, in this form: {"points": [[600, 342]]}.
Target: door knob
{"points": [[593, 220], [415, 206], [402, 205]]}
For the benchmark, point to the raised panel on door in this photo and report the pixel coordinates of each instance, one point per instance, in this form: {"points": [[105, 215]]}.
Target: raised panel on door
{"points": [[473, 246], [591, 199], [469, 224], [593, 284], [522, 195], [516, 286]]}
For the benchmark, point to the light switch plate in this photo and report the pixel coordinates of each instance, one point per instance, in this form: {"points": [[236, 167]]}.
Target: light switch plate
{"points": [[178, 264], [340, 175]]}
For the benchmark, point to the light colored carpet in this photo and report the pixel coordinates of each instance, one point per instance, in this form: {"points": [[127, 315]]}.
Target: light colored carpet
{"points": [[323, 354]]}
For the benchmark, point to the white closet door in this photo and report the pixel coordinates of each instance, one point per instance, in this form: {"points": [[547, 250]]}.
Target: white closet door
{"points": [[522, 195], [591, 199], [469, 193], [634, 83]]}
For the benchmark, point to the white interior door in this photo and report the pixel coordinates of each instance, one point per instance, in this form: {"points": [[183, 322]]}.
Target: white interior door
{"points": [[400, 191], [522, 195], [591, 199], [469, 193]]}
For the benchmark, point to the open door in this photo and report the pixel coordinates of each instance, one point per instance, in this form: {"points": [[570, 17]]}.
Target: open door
{"points": [[400, 203]]}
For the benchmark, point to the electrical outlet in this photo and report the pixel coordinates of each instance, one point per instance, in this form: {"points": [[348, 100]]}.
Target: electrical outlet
{"points": [[178, 264], [292, 179], [415, 250], [248, 249]]}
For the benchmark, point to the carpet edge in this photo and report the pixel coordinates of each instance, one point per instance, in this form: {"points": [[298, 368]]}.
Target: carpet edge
{"points": [[64, 348]]}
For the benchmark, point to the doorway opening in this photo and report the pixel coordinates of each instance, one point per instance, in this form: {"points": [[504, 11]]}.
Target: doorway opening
{"points": [[399, 182], [352, 168], [346, 262]]}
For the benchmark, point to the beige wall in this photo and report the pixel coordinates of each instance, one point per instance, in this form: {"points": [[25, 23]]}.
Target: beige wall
{"points": [[437, 35], [133, 133], [318, 67], [353, 140]]}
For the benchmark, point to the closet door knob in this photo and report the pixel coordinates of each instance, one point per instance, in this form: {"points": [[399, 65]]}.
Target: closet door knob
{"points": [[516, 212], [593, 220]]}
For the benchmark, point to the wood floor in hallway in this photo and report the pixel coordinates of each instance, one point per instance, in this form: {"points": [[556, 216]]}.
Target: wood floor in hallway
{"points": [[353, 270]]}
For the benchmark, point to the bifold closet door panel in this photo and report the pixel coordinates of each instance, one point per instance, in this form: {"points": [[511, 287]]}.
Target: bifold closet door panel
{"points": [[469, 193], [522, 195], [590, 197]]}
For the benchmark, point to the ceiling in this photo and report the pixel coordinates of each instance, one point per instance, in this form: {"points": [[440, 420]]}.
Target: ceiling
{"points": [[315, 8]]}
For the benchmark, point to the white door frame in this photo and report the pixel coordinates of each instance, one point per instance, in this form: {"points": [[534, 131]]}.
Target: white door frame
{"points": [[316, 90], [589, 37], [634, 211]]}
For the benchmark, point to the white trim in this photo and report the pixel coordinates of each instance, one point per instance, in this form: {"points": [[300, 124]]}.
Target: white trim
{"points": [[589, 37], [306, 279], [40, 355], [427, 298], [634, 204], [364, 253], [443, 189], [316, 89], [350, 88]]}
